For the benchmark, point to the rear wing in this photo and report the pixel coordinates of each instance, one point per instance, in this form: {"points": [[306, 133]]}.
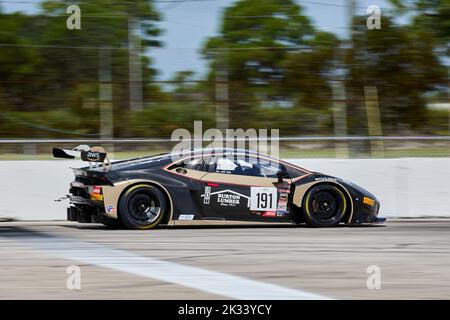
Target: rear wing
{"points": [[94, 155]]}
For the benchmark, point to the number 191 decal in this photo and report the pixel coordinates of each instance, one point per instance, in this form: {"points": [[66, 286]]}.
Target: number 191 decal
{"points": [[263, 199]]}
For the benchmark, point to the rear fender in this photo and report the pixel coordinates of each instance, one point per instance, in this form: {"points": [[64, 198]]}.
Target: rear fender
{"points": [[112, 194]]}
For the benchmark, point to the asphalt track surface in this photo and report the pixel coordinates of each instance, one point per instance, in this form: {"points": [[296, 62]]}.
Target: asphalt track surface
{"points": [[222, 260]]}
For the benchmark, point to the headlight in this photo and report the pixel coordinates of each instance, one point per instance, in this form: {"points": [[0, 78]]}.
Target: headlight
{"points": [[369, 201]]}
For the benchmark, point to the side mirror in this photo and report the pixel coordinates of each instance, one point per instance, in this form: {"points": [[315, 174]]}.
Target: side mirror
{"points": [[281, 175]]}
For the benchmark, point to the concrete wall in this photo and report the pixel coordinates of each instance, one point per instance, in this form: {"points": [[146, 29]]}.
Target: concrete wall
{"points": [[405, 187], [28, 189]]}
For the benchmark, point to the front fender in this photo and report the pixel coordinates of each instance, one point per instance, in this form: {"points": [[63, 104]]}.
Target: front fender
{"points": [[304, 185]]}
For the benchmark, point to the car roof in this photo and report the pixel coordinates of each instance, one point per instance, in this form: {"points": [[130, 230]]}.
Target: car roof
{"points": [[218, 151], [166, 158]]}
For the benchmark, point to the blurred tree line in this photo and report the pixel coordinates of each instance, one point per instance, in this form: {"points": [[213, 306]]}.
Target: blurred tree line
{"points": [[276, 67]]}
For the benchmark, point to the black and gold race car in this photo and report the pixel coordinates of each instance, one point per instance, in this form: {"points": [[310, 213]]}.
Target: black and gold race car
{"points": [[229, 184]]}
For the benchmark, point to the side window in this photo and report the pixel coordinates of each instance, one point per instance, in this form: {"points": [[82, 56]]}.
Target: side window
{"points": [[226, 165], [248, 166], [193, 164], [252, 166], [293, 172], [269, 169]]}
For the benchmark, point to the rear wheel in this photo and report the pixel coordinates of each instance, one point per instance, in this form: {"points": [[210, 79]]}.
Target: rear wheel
{"points": [[324, 206], [142, 207]]}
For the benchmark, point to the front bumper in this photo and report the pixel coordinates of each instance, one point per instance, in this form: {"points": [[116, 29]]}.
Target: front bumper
{"points": [[377, 220], [367, 214]]}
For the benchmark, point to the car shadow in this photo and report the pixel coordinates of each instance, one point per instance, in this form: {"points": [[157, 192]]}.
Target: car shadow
{"points": [[200, 226]]}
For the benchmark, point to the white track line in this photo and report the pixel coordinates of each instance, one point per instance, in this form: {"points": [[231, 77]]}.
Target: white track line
{"points": [[219, 283]]}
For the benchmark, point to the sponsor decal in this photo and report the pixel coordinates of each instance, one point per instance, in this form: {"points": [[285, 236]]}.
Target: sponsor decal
{"points": [[93, 156], [226, 198], [110, 209], [77, 184], [186, 217], [326, 179], [207, 195], [282, 207], [268, 214]]}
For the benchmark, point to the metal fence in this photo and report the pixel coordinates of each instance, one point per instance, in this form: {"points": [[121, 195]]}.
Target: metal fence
{"points": [[289, 147]]}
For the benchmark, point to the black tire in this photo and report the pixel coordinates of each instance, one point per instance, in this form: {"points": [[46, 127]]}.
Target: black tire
{"points": [[142, 207], [324, 206]]}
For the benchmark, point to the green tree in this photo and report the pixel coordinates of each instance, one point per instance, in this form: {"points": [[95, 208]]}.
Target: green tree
{"points": [[430, 16], [18, 63], [268, 49], [403, 66], [48, 67], [186, 101], [429, 20]]}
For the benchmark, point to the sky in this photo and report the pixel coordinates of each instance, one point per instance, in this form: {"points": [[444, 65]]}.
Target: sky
{"points": [[188, 24]]}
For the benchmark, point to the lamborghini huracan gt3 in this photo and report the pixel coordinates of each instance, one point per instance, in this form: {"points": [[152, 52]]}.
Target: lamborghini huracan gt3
{"points": [[230, 184]]}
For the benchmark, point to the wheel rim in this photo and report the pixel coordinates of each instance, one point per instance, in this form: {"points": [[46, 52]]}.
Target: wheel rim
{"points": [[326, 206], [144, 208]]}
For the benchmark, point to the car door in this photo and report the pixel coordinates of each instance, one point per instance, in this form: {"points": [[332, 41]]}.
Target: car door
{"points": [[241, 187], [189, 172]]}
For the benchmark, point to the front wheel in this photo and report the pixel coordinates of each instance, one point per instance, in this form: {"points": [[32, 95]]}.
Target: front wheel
{"points": [[324, 206], [142, 207]]}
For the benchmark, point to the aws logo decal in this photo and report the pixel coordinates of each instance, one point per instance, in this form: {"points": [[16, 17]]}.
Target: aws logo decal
{"points": [[93, 156]]}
